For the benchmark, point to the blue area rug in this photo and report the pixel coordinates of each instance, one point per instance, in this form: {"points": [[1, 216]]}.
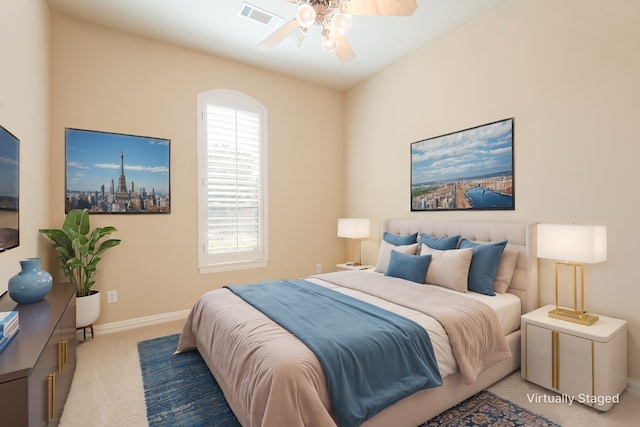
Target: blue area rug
{"points": [[180, 391]]}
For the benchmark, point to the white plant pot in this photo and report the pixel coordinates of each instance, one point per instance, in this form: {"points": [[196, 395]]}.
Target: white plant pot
{"points": [[87, 309]]}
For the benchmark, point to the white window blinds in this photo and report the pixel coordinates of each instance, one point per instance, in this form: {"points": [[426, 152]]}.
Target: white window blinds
{"points": [[233, 175]]}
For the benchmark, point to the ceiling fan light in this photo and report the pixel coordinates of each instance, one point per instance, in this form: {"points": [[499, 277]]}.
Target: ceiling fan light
{"points": [[342, 22], [329, 46], [306, 15], [328, 42]]}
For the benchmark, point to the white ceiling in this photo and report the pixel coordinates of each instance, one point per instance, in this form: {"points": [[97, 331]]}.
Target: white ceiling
{"points": [[214, 26]]}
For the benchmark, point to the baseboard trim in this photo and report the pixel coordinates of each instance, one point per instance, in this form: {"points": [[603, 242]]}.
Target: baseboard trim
{"points": [[633, 386], [139, 322]]}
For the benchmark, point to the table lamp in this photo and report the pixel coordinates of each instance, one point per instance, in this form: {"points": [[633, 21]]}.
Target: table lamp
{"points": [[572, 246], [356, 229]]}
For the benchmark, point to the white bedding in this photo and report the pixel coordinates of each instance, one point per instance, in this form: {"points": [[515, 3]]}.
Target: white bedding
{"points": [[269, 377], [506, 306]]}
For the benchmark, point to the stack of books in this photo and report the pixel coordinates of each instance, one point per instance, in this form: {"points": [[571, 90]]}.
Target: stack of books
{"points": [[9, 327]]}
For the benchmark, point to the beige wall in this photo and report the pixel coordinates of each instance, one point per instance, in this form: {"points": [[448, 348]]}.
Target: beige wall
{"points": [[568, 72], [24, 110], [111, 81]]}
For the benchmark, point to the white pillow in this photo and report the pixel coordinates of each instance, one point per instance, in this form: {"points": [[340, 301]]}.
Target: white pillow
{"points": [[449, 269], [384, 254], [506, 267]]}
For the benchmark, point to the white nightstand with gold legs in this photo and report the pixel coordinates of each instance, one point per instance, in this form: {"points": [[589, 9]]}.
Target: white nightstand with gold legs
{"points": [[584, 364]]}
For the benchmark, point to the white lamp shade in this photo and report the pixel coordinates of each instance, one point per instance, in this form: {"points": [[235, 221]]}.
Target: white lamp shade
{"points": [[586, 244], [342, 22], [328, 42], [353, 228], [306, 15]]}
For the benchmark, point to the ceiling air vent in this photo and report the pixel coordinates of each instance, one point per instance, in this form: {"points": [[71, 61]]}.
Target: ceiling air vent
{"points": [[256, 14]]}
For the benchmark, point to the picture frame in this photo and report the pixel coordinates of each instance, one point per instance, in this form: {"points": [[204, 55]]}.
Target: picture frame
{"points": [[471, 169], [117, 173]]}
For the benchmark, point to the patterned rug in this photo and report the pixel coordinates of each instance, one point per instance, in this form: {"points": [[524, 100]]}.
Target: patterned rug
{"points": [[180, 391], [487, 409]]}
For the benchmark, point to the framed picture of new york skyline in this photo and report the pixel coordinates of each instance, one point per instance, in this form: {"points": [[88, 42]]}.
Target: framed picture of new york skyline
{"points": [[471, 169], [116, 173]]}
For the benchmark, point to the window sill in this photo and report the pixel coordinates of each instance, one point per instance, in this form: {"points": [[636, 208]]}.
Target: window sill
{"points": [[232, 266]]}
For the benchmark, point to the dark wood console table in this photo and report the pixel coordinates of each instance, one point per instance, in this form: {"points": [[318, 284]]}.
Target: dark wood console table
{"points": [[36, 368]]}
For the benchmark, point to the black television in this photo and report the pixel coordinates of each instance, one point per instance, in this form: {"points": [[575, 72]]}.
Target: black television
{"points": [[9, 190]]}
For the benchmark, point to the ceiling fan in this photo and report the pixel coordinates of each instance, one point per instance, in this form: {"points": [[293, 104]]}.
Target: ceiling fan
{"points": [[334, 19]]}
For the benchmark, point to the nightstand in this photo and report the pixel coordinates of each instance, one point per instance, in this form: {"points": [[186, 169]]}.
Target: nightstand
{"points": [[343, 267], [585, 363]]}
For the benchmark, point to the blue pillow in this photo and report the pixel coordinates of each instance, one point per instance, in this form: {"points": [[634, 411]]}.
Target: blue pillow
{"points": [[484, 263], [398, 240], [409, 267], [440, 243]]}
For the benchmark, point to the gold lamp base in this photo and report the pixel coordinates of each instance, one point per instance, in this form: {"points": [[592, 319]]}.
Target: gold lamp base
{"points": [[573, 316]]}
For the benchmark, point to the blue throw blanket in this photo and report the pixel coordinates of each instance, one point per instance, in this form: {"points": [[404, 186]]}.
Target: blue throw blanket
{"points": [[371, 357]]}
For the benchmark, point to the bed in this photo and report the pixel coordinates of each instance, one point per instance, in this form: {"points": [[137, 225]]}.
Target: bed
{"points": [[270, 378]]}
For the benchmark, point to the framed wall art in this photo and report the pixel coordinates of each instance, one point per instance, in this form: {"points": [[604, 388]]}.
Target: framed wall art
{"points": [[471, 169], [112, 173]]}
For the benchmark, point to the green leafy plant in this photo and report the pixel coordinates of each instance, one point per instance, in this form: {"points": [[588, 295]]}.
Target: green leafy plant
{"points": [[79, 249]]}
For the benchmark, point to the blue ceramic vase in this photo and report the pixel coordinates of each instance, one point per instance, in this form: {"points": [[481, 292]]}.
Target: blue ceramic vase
{"points": [[30, 285]]}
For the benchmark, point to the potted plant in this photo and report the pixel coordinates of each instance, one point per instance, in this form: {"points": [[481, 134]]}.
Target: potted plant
{"points": [[79, 250]]}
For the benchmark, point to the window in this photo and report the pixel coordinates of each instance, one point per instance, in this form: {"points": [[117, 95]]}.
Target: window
{"points": [[232, 172]]}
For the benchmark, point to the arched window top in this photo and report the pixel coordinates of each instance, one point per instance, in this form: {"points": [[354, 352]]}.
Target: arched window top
{"points": [[232, 99]]}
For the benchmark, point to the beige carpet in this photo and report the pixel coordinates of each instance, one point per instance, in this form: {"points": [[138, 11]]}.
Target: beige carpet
{"points": [[107, 385], [107, 388]]}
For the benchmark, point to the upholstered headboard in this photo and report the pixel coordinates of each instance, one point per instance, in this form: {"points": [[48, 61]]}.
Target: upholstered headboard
{"points": [[520, 236]]}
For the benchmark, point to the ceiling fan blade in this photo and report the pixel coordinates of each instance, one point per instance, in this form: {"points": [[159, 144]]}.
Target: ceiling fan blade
{"points": [[382, 7], [279, 35], [343, 49]]}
